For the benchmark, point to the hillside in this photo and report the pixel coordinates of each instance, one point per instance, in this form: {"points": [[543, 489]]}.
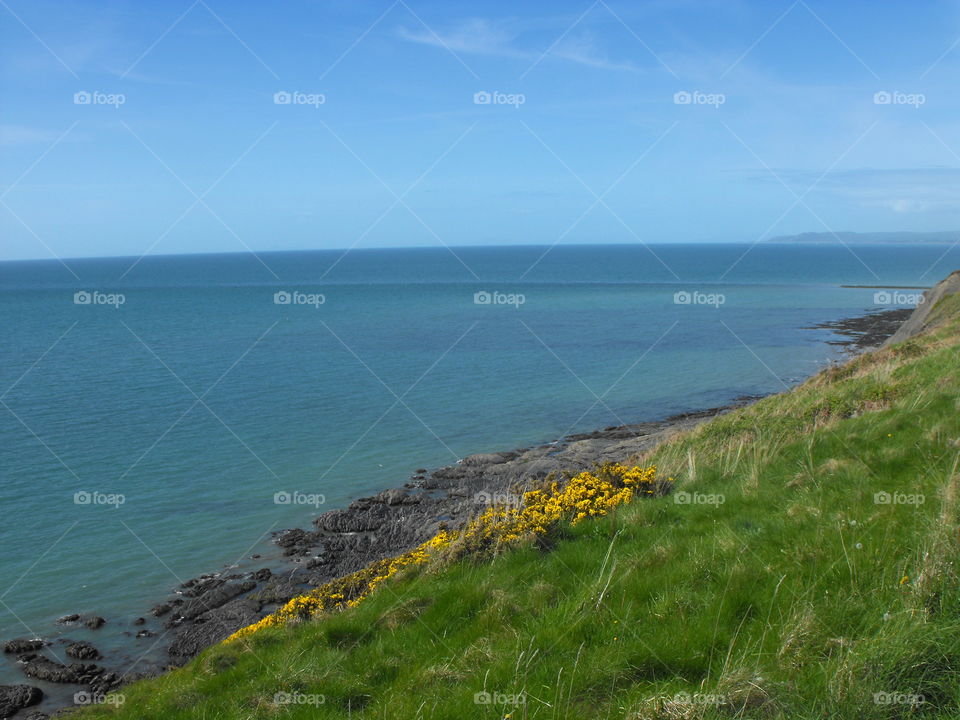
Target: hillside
{"points": [[802, 564]]}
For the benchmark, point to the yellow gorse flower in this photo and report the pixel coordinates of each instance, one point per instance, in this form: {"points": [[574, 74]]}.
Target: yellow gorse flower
{"points": [[587, 494]]}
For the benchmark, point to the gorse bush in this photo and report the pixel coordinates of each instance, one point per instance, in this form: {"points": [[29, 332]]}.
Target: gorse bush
{"points": [[588, 494]]}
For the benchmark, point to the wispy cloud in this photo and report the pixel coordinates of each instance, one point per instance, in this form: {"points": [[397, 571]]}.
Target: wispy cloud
{"points": [[14, 135], [901, 190], [502, 39]]}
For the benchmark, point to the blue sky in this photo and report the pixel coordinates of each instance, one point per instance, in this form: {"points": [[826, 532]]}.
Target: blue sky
{"points": [[183, 148]]}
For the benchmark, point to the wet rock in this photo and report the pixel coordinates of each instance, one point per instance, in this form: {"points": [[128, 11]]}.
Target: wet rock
{"points": [[163, 608], [140, 621], [296, 541], [41, 668], [212, 627], [198, 586], [68, 619], [210, 600], [82, 651], [95, 623], [146, 634], [262, 575], [17, 697], [22, 645]]}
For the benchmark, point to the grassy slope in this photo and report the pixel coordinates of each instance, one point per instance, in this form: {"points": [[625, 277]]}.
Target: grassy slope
{"points": [[787, 600]]}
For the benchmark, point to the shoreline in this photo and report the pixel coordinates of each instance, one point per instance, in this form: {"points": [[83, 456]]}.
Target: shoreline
{"points": [[204, 610]]}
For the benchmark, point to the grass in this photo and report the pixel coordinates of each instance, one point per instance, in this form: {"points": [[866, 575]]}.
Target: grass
{"points": [[801, 595]]}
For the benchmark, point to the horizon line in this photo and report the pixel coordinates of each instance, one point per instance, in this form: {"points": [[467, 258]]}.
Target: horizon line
{"points": [[451, 248]]}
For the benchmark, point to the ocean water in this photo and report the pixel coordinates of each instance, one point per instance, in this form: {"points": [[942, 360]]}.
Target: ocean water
{"points": [[146, 442]]}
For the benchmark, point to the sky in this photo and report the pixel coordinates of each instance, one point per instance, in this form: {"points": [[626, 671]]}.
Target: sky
{"points": [[140, 128]]}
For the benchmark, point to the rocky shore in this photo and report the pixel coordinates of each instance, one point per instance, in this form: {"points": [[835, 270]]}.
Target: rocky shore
{"points": [[208, 608]]}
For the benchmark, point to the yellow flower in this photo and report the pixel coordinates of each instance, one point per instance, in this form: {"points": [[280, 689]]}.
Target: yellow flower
{"points": [[587, 494]]}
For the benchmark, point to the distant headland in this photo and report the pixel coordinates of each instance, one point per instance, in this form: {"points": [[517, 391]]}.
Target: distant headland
{"points": [[872, 238]]}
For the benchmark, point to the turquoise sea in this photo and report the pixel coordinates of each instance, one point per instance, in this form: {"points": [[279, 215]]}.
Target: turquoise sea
{"points": [[160, 419]]}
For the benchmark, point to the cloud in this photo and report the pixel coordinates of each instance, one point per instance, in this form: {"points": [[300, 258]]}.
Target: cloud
{"points": [[901, 190], [478, 36], [13, 135]]}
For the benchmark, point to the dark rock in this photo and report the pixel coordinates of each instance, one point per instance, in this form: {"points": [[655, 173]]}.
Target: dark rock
{"points": [[296, 541], [36, 716], [22, 645], [95, 623], [210, 600], [106, 682], [351, 521], [212, 627], [140, 621], [17, 697], [67, 619], [421, 471], [198, 586], [163, 608], [395, 496], [41, 668], [82, 651], [278, 590], [146, 634], [262, 574]]}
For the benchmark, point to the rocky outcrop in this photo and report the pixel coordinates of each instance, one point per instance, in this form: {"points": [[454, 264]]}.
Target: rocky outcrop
{"points": [[82, 651], [212, 627], [22, 645], [42, 668], [17, 697]]}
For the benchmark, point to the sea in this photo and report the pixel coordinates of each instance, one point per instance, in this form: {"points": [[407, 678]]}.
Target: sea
{"points": [[161, 417]]}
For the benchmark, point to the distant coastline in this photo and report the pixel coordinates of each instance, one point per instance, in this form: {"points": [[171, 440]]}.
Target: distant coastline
{"points": [[876, 238]]}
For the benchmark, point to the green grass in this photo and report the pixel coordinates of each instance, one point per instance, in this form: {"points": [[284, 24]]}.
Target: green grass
{"points": [[784, 601]]}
